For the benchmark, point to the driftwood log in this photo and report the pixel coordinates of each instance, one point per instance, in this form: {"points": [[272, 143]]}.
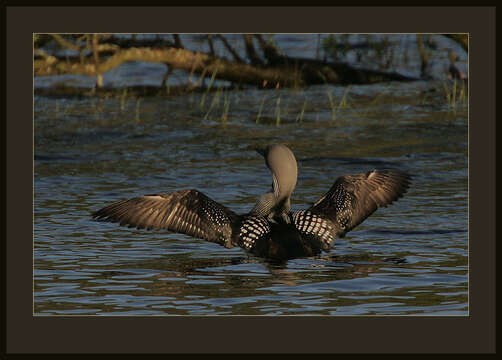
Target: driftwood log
{"points": [[101, 53]]}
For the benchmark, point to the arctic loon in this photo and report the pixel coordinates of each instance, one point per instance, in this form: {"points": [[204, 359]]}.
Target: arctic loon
{"points": [[270, 229]]}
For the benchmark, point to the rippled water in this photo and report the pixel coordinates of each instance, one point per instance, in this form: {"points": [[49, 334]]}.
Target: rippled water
{"points": [[409, 258]]}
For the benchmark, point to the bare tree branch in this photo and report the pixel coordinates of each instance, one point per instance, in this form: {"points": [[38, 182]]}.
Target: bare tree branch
{"points": [[66, 44], [211, 45], [462, 39], [177, 59], [230, 49], [285, 71], [251, 52], [177, 41]]}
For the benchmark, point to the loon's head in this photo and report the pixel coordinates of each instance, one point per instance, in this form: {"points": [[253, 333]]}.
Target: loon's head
{"points": [[282, 164]]}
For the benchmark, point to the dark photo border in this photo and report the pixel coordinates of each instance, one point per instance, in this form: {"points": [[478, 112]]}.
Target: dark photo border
{"points": [[25, 333]]}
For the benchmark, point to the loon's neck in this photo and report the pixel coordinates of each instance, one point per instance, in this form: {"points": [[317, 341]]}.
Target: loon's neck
{"points": [[275, 210]]}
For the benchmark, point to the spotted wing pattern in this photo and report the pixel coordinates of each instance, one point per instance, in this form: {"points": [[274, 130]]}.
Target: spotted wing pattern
{"points": [[253, 230], [188, 212], [353, 198], [314, 227]]}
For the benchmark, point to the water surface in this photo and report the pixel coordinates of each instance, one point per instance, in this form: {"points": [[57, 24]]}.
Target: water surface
{"points": [[410, 258]]}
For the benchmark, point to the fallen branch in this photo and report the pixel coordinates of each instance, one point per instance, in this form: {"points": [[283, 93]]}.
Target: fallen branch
{"points": [[175, 58], [288, 72]]}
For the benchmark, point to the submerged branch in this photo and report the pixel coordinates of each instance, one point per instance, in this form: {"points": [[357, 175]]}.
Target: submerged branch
{"points": [[281, 71], [175, 58]]}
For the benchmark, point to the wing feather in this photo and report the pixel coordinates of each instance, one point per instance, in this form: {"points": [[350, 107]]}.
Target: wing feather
{"points": [[188, 212], [353, 198]]}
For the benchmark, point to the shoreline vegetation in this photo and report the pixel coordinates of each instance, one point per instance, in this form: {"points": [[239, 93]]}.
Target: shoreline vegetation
{"points": [[262, 64]]}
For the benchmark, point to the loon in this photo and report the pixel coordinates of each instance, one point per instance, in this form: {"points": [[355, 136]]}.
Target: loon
{"points": [[270, 230]]}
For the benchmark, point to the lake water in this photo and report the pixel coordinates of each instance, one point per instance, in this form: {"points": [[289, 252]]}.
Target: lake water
{"points": [[410, 258]]}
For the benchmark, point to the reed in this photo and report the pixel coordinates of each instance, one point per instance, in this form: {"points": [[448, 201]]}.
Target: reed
{"points": [[299, 118], [332, 105], [260, 110], [203, 99], [215, 102], [344, 103], [455, 95], [278, 112], [123, 99], [138, 103], [226, 108]]}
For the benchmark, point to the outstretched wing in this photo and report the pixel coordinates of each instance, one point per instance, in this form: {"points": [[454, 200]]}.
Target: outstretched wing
{"points": [[188, 212], [353, 198], [315, 228]]}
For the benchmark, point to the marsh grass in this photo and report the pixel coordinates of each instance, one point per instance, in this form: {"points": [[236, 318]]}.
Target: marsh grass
{"points": [[299, 117], [455, 95], [214, 103], [278, 112], [378, 99], [123, 99], [226, 107], [332, 105], [138, 111], [341, 105], [343, 102], [260, 110], [283, 108], [204, 95]]}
